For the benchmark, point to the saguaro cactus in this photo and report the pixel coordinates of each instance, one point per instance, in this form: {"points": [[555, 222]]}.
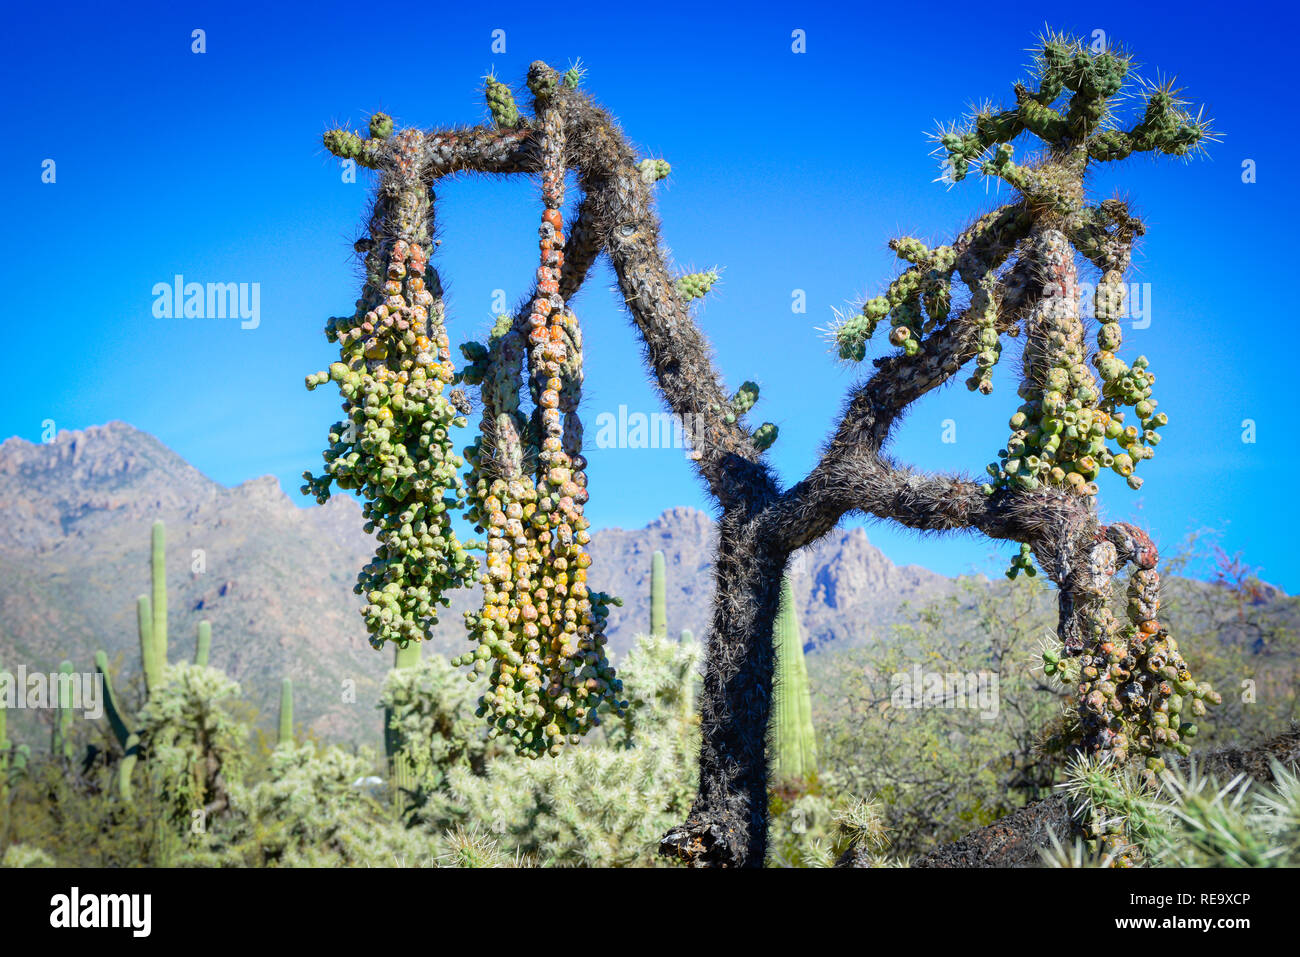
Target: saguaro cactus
{"points": [[6, 746], [1010, 272], [285, 735], [401, 775], [158, 572], [127, 739], [203, 644], [658, 598], [153, 657], [61, 746], [794, 740]]}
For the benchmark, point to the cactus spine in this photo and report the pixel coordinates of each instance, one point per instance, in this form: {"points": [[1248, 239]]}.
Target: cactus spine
{"points": [[286, 712], [658, 597], [794, 739], [203, 649]]}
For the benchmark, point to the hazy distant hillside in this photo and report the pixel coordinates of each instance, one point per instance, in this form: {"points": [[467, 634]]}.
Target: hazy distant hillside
{"points": [[276, 579]]}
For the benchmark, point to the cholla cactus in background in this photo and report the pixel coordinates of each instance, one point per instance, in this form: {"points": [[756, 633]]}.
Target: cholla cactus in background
{"points": [[431, 729], [1011, 272], [310, 812], [600, 806], [194, 745], [24, 855]]}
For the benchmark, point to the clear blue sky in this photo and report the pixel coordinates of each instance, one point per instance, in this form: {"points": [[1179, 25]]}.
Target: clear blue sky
{"points": [[789, 170]]}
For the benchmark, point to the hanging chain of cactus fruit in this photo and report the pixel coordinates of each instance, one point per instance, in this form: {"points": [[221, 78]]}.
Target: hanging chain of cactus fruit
{"points": [[1135, 693], [539, 633], [395, 447]]}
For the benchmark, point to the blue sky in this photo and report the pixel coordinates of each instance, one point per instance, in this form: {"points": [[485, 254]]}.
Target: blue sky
{"points": [[791, 171]]}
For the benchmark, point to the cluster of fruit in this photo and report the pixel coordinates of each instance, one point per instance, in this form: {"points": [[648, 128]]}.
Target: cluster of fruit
{"points": [[540, 633], [1137, 696], [394, 446]]}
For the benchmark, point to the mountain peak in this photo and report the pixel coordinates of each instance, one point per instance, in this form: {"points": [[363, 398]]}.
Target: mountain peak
{"points": [[80, 480]]}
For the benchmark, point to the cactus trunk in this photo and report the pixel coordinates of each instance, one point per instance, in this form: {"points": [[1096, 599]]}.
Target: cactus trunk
{"points": [[658, 597], [794, 740]]}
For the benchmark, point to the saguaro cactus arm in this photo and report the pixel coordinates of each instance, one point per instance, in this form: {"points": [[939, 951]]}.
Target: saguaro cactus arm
{"points": [[285, 734], [116, 720], [203, 644], [158, 602], [658, 596]]}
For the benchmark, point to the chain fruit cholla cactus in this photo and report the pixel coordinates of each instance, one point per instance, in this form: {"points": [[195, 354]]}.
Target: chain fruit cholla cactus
{"points": [[1010, 273], [794, 740], [540, 632]]}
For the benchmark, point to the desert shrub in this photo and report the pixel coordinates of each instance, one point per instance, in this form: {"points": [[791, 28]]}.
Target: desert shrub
{"points": [[605, 802]]}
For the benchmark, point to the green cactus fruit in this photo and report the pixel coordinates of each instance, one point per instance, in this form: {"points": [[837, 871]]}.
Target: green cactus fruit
{"points": [[381, 126], [764, 436], [501, 103], [653, 170], [745, 398], [695, 285], [343, 143]]}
